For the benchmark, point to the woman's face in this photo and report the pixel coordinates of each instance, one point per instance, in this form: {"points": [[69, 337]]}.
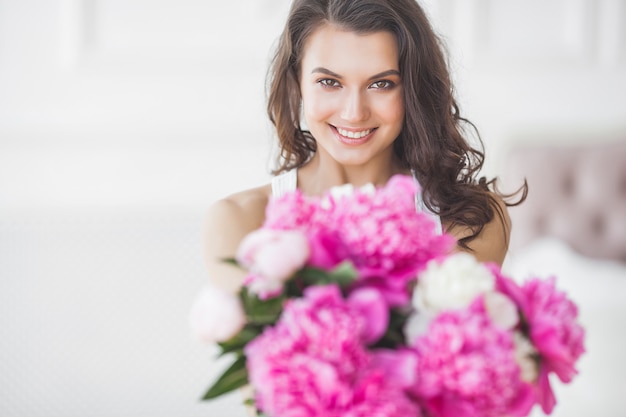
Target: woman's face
{"points": [[352, 94]]}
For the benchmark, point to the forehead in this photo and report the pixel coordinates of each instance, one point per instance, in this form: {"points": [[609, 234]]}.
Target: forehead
{"points": [[347, 52]]}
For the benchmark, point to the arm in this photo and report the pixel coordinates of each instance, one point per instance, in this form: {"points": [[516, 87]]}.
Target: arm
{"points": [[492, 244], [226, 223]]}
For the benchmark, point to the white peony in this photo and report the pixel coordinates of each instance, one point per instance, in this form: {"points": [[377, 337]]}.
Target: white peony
{"points": [[451, 284], [216, 315], [525, 354], [340, 191], [346, 190], [502, 310], [447, 285], [416, 326], [368, 189]]}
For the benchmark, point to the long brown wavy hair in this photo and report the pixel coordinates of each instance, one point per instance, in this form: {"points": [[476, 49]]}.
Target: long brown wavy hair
{"points": [[431, 142]]}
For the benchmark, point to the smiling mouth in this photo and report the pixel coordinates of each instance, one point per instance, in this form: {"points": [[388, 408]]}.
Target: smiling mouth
{"points": [[353, 135]]}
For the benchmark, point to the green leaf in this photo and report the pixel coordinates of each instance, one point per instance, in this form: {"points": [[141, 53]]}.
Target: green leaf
{"points": [[240, 340], [236, 376], [293, 288], [398, 317], [231, 261], [394, 335], [261, 312], [312, 276], [343, 274]]}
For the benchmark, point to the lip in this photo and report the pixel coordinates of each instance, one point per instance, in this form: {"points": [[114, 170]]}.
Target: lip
{"points": [[352, 141]]}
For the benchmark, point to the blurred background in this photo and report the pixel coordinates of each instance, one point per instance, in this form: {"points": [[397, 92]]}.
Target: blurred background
{"points": [[121, 121]]}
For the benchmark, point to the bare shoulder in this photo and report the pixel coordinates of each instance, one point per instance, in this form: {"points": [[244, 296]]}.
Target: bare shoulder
{"points": [[492, 243], [226, 223], [245, 209]]}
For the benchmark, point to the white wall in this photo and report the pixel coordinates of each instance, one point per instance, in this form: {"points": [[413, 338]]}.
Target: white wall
{"points": [[146, 93], [537, 70], [98, 86], [120, 121]]}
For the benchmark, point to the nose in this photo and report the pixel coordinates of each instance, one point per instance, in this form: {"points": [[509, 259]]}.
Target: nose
{"points": [[355, 107]]}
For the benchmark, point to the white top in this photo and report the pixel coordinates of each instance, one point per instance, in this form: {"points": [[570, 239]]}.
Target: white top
{"points": [[288, 182]]}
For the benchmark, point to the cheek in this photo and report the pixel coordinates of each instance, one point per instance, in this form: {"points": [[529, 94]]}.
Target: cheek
{"points": [[393, 109], [317, 106]]}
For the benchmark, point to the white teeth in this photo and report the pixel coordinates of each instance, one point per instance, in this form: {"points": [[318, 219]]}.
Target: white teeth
{"points": [[354, 135]]}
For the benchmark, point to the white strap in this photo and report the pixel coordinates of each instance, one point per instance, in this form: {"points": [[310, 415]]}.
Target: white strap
{"points": [[284, 183], [420, 206]]}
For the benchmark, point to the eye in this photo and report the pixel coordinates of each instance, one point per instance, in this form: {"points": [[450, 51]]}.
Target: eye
{"points": [[329, 83], [382, 85]]}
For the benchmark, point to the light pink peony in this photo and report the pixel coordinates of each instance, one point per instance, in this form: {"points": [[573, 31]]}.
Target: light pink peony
{"points": [[216, 315], [467, 367], [553, 330], [272, 257], [314, 363]]}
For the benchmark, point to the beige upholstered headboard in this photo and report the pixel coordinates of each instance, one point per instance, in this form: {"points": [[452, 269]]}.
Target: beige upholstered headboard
{"points": [[576, 193]]}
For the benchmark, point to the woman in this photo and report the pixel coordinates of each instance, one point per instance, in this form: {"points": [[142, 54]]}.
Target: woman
{"points": [[370, 80]]}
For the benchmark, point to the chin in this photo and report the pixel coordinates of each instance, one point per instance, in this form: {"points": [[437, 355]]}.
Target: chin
{"points": [[352, 158]]}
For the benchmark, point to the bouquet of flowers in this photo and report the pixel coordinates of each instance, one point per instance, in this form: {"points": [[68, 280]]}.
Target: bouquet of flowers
{"points": [[354, 305]]}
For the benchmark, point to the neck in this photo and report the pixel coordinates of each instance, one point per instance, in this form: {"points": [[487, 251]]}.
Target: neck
{"points": [[323, 172]]}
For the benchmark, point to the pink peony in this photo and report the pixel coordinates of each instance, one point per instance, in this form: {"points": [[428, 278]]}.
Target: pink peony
{"points": [[371, 305], [327, 249], [553, 329], [467, 367], [216, 315], [381, 232], [272, 257], [374, 394], [399, 365], [293, 210], [314, 363], [385, 234]]}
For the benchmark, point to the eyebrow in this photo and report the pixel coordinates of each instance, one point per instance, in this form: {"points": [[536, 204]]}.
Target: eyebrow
{"points": [[323, 70]]}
